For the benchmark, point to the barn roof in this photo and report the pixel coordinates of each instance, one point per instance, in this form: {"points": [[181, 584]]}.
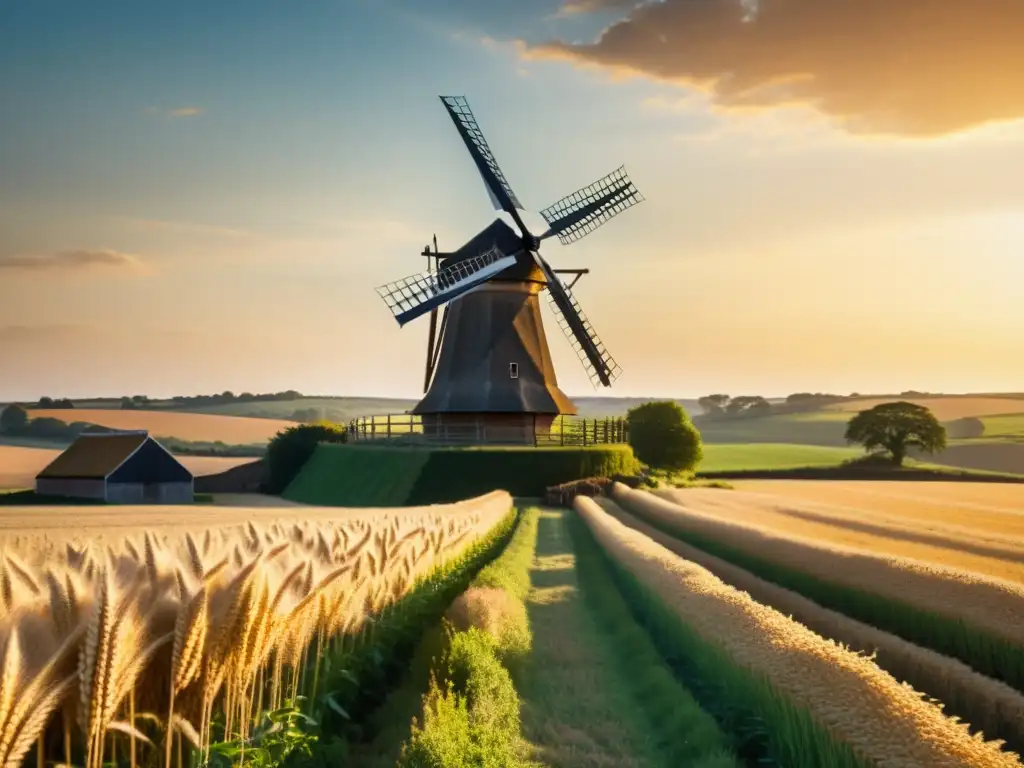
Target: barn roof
{"points": [[95, 455]]}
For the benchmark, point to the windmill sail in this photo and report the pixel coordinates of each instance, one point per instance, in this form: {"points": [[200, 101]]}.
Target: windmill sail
{"points": [[599, 364], [577, 215], [498, 188], [416, 295]]}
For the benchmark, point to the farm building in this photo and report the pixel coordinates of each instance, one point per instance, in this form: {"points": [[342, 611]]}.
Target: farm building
{"points": [[120, 467]]}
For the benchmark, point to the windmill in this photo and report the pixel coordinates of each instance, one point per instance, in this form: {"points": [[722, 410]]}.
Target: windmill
{"points": [[488, 360]]}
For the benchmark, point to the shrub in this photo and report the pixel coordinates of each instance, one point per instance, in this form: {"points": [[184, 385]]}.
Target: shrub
{"points": [[663, 437], [562, 495], [13, 418], [291, 448], [471, 713]]}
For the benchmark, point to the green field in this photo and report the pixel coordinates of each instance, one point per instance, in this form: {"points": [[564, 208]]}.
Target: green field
{"points": [[730, 457], [823, 428], [1009, 425]]}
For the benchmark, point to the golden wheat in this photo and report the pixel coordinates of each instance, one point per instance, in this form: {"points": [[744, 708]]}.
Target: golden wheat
{"points": [[991, 604], [100, 640], [883, 721], [956, 541], [991, 706]]}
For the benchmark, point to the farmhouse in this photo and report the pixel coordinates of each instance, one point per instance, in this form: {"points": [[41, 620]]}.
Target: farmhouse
{"points": [[123, 467]]}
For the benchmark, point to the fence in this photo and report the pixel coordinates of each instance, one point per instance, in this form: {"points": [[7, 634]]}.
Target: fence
{"points": [[409, 429]]}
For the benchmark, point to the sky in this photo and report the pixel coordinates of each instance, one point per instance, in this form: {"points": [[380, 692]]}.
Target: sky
{"points": [[202, 196]]}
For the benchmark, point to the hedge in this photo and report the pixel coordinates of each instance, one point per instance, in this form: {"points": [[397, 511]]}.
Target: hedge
{"points": [[361, 475]]}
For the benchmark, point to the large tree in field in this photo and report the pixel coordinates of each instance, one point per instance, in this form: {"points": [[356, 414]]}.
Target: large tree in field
{"points": [[663, 437], [896, 428]]}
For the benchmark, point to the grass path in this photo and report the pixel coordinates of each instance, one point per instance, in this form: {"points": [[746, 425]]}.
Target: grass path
{"points": [[576, 710]]}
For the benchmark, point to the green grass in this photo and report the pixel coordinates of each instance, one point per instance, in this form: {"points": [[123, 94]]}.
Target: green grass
{"points": [[339, 475], [366, 475], [454, 473], [727, 457], [683, 733], [809, 428], [1009, 425], [471, 714], [586, 700]]}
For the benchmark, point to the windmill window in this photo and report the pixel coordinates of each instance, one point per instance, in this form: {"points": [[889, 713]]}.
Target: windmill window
{"points": [[513, 370]]}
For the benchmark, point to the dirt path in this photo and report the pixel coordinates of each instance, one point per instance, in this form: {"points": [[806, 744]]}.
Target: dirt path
{"points": [[576, 711]]}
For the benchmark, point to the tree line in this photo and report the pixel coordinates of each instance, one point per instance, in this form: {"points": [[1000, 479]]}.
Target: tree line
{"points": [[720, 406], [224, 398]]}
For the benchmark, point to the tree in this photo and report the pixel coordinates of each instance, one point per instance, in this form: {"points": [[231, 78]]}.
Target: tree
{"points": [[306, 415], [748, 405], [895, 428], [663, 437], [13, 418], [713, 405], [291, 448]]}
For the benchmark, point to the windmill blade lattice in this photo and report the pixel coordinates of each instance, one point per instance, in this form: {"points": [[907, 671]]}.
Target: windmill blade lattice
{"points": [[499, 188], [577, 215], [597, 361], [416, 295]]}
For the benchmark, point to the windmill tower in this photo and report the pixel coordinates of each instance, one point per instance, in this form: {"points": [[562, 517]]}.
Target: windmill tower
{"points": [[488, 362]]}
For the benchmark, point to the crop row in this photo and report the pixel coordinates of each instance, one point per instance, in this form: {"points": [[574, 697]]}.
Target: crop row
{"points": [[809, 700], [976, 619]]}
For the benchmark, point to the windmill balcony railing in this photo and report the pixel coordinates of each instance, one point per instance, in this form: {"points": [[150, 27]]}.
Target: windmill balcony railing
{"points": [[408, 429]]}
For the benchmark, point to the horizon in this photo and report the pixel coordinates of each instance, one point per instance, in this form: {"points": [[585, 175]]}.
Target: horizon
{"points": [[916, 394], [203, 198]]}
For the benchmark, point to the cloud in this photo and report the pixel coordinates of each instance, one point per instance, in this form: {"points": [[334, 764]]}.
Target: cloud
{"points": [[574, 7], [923, 68], [70, 260]]}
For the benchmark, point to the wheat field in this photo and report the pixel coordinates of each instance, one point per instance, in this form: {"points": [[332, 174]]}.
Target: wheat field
{"points": [[202, 427], [879, 719], [964, 530], [163, 640], [993, 604], [991, 508], [987, 704]]}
